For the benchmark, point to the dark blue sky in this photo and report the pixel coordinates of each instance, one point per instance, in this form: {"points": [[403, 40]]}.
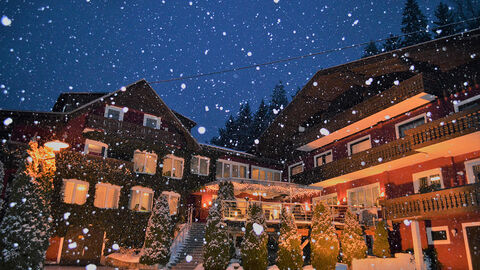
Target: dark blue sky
{"points": [[77, 46]]}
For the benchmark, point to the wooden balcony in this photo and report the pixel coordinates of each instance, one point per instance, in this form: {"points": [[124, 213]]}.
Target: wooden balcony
{"points": [[442, 203], [133, 131]]}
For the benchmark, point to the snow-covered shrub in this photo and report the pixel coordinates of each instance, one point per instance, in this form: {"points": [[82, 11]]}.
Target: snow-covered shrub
{"points": [[217, 248], [226, 191], [352, 242], [290, 255], [381, 247], [324, 241], [159, 235], [254, 245]]}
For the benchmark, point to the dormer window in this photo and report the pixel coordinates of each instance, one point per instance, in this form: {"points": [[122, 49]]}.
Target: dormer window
{"points": [[114, 112], [151, 121], [95, 148]]}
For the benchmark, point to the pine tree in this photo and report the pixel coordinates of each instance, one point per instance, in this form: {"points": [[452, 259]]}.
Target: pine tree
{"points": [[159, 235], [414, 22], [290, 254], [260, 120], [370, 50], [217, 248], [324, 241], [444, 19], [352, 242], [381, 247], [467, 10], [392, 43], [2, 175], [278, 102], [226, 191], [228, 136], [244, 121], [254, 245]]}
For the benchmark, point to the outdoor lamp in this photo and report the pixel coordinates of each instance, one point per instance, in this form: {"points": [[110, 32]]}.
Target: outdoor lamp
{"points": [[56, 145]]}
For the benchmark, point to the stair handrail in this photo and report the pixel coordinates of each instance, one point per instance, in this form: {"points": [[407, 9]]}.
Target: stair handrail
{"points": [[181, 236]]}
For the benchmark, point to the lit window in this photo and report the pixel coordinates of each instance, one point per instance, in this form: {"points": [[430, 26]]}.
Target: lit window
{"points": [[141, 199], [173, 167], [199, 165], [95, 148], [359, 145], [114, 113], [365, 196], [265, 174], [438, 235], [473, 171], [323, 158], [467, 104], [295, 169], [151, 121], [144, 162], [428, 181], [227, 169], [400, 128], [106, 195], [75, 191], [173, 199], [329, 199]]}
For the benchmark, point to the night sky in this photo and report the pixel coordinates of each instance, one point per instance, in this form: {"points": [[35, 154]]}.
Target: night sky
{"points": [[99, 46]]}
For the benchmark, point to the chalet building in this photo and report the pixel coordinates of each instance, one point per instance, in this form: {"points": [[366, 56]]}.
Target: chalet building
{"points": [[394, 136]]}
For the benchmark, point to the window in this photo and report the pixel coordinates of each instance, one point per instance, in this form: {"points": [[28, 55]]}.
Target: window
{"points": [[473, 171], [173, 198], [199, 165], [151, 121], [295, 169], [414, 122], [259, 173], [364, 196], [95, 148], [75, 191], [141, 199], [467, 104], [323, 158], [359, 145], [438, 235], [173, 167], [428, 181], [106, 195], [227, 169], [114, 113], [329, 199], [144, 162]]}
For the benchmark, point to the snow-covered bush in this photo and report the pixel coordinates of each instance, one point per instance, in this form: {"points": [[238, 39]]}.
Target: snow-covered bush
{"points": [[352, 242], [324, 241], [226, 191], [381, 247], [217, 248], [254, 245], [290, 255], [159, 235]]}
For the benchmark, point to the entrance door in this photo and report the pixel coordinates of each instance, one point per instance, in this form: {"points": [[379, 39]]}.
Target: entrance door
{"points": [[471, 233], [82, 246]]}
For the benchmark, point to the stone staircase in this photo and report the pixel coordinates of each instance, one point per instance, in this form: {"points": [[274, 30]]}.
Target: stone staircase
{"points": [[193, 246]]}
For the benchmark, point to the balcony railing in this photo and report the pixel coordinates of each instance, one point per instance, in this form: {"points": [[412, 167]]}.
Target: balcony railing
{"points": [[464, 199], [131, 130]]}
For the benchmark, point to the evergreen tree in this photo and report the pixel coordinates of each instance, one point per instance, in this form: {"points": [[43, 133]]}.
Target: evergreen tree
{"points": [[226, 191], [228, 135], [466, 10], [278, 102], [353, 244], [159, 235], [414, 22], [381, 247], [260, 120], [370, 50], [217, 248], [392, 43], [290, 254], [2, 175], [254, 245], [244, 121], [444, 17], [324, 241]]}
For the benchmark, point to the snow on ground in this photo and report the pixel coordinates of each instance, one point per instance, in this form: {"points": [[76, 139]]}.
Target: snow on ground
{"points": [[131, 258]]}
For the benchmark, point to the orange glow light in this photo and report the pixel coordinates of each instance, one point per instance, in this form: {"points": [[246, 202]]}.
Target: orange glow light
{"points": [[56, 145], [204, 205], [382, 194]]}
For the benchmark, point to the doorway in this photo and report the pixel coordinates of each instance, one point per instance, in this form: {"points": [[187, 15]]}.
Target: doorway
{"points": [[471, 236]]}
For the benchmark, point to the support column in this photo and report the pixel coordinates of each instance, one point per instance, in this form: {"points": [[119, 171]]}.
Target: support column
{"points": [[417, 245]]}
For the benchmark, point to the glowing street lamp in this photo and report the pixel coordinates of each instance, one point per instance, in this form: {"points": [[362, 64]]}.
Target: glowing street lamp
{"points": [[56, 145]]}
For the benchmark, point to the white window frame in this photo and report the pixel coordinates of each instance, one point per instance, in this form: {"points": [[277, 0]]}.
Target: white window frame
{"points": [[173, 157], [110, 188], [231, 163], [369, 186], [463, 102], [142, 190], [76, 182], [266, 170], [198, 164], [469, 169], [170, 194], [101, 144], [324, 198], [321, 154], [153, 117], [436, 229], [111, 107], [416, 178], [397, 131], [294, 165], [145, 161], [356, 141]]}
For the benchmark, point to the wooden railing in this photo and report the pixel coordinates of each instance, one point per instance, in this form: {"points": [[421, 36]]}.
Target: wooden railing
{"points": [[131, 130], [444, 202]]}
